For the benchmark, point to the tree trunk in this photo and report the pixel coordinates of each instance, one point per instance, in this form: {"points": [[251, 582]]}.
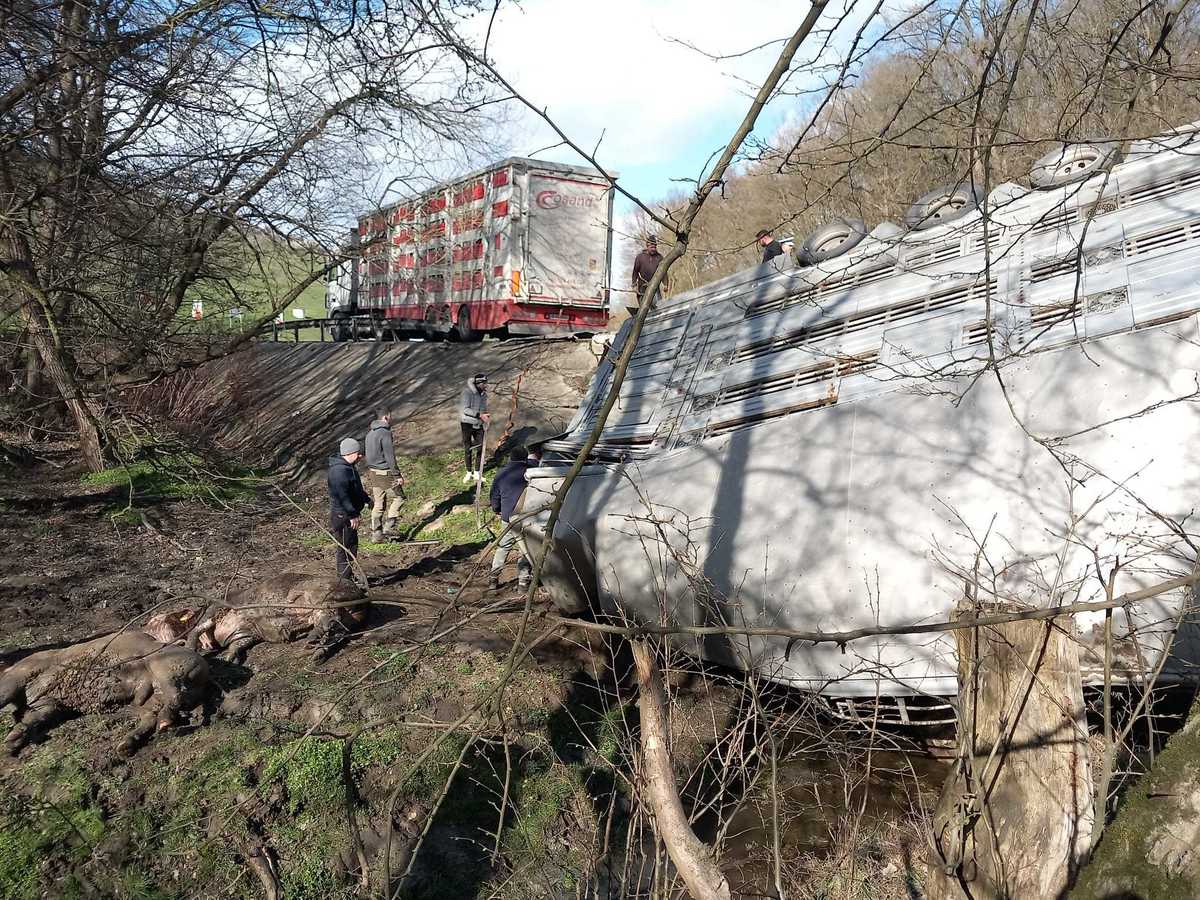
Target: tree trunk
{"points": [[57, 363], [1015, 817], [1152, 847], [56, 366], [692, 857]]}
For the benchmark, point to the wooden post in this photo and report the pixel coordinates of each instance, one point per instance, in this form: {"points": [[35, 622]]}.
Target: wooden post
{"points": [[274, 330], [1015, 816], [322, 331]]}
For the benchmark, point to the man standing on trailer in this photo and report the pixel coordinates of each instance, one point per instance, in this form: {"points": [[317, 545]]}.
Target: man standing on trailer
{"points": [[346, 500], [771, 247], [645, 264], [384, 480], [473, 418], [506, 491]]}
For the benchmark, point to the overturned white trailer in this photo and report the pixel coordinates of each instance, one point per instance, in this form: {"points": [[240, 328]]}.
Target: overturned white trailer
{"points": [[825, 445]]}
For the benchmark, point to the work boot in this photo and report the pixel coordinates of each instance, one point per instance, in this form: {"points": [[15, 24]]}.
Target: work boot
{"points": [[376, 536], [389, 528], [468, 477], [494, 581]]}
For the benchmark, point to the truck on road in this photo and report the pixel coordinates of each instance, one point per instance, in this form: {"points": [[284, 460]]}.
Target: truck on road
{"points": [[519, 248]]}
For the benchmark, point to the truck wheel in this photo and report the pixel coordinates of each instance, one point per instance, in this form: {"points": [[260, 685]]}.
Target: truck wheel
{"points": [[1071, 163], [945, 204], [462, 328], [830, 240], [338, 330]]}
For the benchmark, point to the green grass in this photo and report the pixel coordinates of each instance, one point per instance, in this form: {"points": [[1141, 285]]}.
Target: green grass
{"points": [[175, 476], [61, 819], [434, 478]]}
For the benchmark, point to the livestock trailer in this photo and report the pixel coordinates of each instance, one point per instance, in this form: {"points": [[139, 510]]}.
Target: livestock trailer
{"points": [[995, 399]]}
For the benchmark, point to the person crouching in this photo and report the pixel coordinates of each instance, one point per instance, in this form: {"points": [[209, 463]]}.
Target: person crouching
{"points": [[506, 493]]}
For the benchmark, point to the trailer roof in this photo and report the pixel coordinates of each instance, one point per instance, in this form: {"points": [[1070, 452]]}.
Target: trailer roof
{"points": [[520, 161]]}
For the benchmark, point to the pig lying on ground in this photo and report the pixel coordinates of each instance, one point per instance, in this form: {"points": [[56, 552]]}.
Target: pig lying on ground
{"points": [[280, 609], [102, 674]]}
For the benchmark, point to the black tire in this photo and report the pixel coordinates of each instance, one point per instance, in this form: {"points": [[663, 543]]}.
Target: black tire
{"points": [[339, 328], [945, 204], [1071, 163], [462, 328], [831, 240]]}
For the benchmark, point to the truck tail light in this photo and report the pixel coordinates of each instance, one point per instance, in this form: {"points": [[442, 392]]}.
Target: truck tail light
{"points": [[516, 282]]}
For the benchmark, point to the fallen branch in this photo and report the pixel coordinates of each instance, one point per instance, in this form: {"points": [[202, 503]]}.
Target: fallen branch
{"points": [[796, 636], [693, 858]]}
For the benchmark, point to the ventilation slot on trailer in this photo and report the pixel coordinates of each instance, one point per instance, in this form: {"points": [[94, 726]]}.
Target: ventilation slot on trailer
{"points": [[841, 367], [1163, 239], [614, 448], [992, 239], [884, 316], [923, 258], [828, 286], [1159, 189], [1054, 313], [1055, 219], [731, 425], [1052, 268], [976, 333]]}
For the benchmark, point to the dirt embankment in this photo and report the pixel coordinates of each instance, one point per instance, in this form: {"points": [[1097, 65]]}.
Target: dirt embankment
{"points": [[303, 398]]}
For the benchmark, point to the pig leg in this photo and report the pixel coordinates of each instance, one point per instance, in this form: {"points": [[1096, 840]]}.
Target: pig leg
{"points": [[238, 645], [328, 636], [201, 639], [36, 720], [147, 724]]}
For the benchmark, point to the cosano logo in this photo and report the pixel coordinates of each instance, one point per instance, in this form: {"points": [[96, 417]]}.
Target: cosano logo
{"points": [[555, 199]]}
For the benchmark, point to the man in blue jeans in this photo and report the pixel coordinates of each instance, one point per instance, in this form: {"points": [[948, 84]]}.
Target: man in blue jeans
{"points": [[346, 501], [506, 492]]}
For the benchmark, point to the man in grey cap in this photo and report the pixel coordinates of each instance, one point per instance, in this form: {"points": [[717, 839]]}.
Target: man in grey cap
{"points": [[383, 477], [346, 501], [473, 418]]}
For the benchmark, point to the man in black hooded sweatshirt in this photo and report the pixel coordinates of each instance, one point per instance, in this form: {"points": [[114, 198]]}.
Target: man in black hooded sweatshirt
{"points": [[346, 501]]}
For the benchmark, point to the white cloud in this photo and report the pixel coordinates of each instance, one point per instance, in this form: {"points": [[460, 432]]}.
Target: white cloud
{"points": [[613, 68]]}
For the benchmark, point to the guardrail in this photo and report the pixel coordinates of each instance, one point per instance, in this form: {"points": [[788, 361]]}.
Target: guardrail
{"points": [[278, 330]]}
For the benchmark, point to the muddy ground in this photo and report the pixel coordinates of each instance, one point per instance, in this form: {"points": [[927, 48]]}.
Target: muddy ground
{"points": [[301, 767]]}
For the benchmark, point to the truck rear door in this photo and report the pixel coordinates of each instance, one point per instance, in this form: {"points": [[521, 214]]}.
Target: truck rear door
{"points": [[568, 240]]}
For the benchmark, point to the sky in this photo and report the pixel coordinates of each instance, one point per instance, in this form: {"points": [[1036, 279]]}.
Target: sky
{"points": [[617, 69]]}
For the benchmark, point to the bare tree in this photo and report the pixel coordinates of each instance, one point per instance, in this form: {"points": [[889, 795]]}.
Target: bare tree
{"points": [[160, 158]]}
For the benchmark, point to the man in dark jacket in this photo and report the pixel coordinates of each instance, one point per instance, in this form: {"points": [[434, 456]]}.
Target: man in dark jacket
{"points": [[645, 264], [383, 477], [473, 418], [346, 500], [771, 247], [506, 491]]}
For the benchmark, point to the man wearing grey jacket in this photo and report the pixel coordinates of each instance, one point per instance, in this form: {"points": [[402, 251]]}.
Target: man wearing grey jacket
{"points": [[384, 481], [473, 418]]}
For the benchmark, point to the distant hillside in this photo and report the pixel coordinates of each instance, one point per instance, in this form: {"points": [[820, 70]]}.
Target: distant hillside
{"points": [[914, 119]]}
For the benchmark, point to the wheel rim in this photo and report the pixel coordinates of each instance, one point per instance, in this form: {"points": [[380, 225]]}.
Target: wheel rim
{"points": [[832, 243]]}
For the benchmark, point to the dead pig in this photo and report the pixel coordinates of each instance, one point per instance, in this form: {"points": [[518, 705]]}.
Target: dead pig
{"points": [[278, 610], [99, 675]]}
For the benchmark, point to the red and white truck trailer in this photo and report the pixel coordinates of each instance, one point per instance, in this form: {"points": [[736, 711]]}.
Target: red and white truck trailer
{"points": [[519, 248]]}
